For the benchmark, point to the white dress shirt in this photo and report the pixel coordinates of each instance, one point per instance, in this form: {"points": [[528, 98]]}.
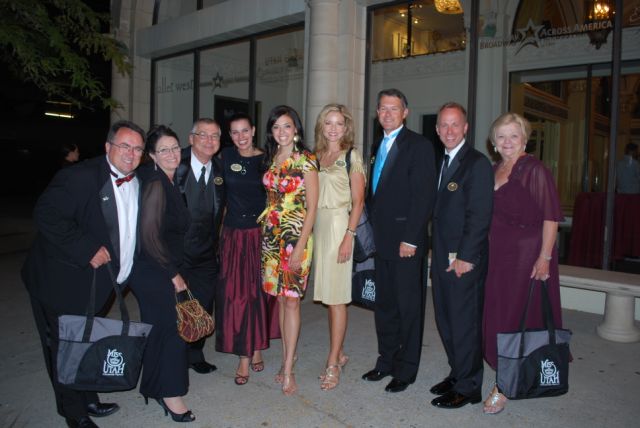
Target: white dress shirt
{"points": [[196, 167], [127, 206]]}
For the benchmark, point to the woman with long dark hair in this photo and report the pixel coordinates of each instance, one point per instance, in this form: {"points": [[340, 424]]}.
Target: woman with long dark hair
{"points": [[291, 181]]}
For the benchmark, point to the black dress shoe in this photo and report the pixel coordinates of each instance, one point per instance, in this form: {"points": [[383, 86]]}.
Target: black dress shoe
{"points": [[82, 422], [374, 375], [396, 385], [98, 410], [203, 367], [454, 400], [443, 387]]}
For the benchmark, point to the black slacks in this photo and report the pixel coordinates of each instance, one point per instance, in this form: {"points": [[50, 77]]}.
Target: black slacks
{"points": [[458, 306], [70, 403], [399, 316]]}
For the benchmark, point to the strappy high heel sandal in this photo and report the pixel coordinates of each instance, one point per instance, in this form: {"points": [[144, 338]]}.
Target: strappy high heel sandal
{"points": [[331, 377], [342, 362], [279, 378], [495, 403], [289, 386]]}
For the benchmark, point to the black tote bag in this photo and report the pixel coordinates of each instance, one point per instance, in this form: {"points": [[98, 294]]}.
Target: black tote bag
{"points": [[364, 246], [534, 363], [100, 354]]}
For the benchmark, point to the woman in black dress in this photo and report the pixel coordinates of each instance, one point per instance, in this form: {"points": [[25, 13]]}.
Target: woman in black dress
{"points": [[244, 314], [164, 220]]}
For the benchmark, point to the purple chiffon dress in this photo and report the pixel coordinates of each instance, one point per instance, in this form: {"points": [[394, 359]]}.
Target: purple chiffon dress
{"points": [[520, 207]]}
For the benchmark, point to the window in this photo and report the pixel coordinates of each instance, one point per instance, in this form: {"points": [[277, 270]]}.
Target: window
{"points": [[428, 31]]}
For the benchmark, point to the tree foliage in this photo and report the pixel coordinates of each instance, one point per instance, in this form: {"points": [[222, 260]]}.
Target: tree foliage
{"points": [[50, 43]]}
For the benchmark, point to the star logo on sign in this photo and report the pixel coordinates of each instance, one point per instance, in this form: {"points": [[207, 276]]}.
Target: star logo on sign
{"points": [[217, 81], [529, 35]]}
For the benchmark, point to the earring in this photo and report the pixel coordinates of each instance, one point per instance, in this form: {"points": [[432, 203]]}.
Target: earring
{"points": [[495, 149], [155, 166], [296, 138]]}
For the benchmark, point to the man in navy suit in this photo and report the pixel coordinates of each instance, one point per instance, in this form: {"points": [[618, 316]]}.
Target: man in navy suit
{"points": [[86, 218], [401, 198], [461, 221]]}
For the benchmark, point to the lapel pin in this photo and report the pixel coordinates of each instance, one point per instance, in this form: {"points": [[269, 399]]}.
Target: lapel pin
{"points": [[452, 187], [105, 198], [218, 181], [235, 167], [341, 163]]}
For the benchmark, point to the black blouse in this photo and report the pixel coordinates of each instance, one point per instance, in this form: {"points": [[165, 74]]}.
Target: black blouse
{"points": [[245, 193], [164, 219]]}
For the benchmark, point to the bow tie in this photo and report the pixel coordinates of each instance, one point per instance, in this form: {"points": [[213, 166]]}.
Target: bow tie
{"points": [[121, 180]]}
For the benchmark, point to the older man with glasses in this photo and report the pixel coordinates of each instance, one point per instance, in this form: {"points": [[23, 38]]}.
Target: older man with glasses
{"points": [[86, 217], [200, 179]]}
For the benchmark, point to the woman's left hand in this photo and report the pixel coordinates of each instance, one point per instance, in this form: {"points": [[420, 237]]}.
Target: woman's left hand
{"points": [[540, 269], [344, 251], [295, 259]]}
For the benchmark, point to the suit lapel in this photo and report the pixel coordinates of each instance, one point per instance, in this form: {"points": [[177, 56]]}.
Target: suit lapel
{"points": [[109, 208], [453, 167]]}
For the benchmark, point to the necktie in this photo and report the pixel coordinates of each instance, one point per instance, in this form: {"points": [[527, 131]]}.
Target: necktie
{"points": [[201, 183], [445, 165], [121, 180], [381, 156]]}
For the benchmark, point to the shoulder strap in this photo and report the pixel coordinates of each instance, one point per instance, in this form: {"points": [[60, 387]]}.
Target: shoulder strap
{"points": [[347, 160]]}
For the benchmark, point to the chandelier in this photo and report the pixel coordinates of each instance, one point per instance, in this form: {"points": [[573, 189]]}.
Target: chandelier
{"points": [[599, 13], [451, 7]]}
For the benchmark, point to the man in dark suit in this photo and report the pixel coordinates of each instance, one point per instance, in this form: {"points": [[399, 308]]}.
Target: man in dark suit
{"points": [[401, 199], [461, 222], [86, 218], [200, 180]]}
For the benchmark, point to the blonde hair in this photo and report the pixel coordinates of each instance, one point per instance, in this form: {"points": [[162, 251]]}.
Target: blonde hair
{"points": [[349, 135], [507, 119]]}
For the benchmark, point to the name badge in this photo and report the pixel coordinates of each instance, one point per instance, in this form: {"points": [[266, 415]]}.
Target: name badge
{"points": [[236, 167], [341, 163]]}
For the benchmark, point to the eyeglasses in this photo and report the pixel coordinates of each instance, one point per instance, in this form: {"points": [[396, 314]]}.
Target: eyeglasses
{"points": [[127, 148], [205, 136], [167, 150]]}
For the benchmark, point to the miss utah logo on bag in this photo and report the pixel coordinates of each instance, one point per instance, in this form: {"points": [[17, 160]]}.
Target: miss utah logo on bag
{"points": [[549, 374], [113, 364]]}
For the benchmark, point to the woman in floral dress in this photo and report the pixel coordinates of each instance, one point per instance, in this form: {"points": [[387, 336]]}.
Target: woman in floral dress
{"points": [[291, 182]]}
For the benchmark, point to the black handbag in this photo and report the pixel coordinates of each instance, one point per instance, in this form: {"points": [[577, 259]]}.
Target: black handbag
{"points": [[363, 284], [364, 245], [100, 354], [534, 362]]}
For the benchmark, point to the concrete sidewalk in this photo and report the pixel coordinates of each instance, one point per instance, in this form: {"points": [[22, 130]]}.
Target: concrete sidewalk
{"points": [[604, 378]]}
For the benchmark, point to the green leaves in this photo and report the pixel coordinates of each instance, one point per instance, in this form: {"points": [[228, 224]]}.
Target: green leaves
{"points": [[51, 42]]}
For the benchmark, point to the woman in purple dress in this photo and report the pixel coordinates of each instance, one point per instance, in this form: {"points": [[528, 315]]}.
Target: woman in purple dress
{"points": [[526, 212], [244, 313]]}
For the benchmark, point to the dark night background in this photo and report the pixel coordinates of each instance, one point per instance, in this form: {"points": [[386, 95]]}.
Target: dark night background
{"points": [[31, 142]]}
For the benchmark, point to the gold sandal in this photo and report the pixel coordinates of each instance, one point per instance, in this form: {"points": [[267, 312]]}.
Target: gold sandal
{"points": [[495, 403], [289, 386], [279, 378], [331, 377]]}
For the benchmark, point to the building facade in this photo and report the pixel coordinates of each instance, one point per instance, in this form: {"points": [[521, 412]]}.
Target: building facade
{"points": [[549, 60]]}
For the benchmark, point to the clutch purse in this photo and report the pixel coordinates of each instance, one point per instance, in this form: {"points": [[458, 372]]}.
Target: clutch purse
{"points": [[194, 322]]}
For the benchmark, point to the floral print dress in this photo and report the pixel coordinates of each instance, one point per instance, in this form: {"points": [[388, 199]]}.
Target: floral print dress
{"points": [[282, 222]]}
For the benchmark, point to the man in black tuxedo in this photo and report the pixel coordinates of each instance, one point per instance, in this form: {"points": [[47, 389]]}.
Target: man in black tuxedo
{"points": [[200, 180], [401, 199], [461, 222], [86, 218]]}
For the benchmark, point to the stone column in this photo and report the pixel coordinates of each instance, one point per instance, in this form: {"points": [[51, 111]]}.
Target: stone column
{"points": [[133, 92], [322, 75]]}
